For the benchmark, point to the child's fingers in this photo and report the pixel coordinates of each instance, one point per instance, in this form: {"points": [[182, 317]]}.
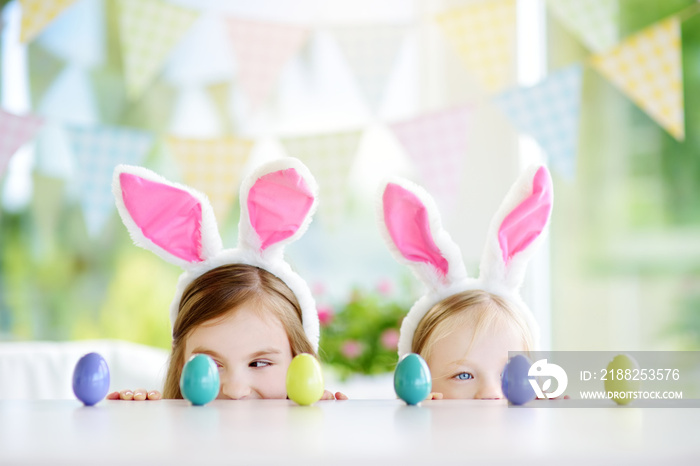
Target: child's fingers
{"points": [[340, 396], [140, 394], [113, 396], [327, 395], [126, 395], [154, 395]]}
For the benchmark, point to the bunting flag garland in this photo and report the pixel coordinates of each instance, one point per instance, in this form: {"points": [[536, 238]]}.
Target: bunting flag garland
{"points": [[148, 30], [436, 143], [97, 150], [261, 50], [594, 22], [484, 36], [371, 52], [37, 14], [549, 112], [647, 67], [15, 130], [213, 166], [329, 157]]}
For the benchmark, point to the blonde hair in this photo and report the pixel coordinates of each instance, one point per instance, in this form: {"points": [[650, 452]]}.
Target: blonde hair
{"points": [[221, 291], [477, 308]]}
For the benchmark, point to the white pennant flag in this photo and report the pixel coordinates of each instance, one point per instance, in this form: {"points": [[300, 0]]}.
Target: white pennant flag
{"points": [[371, 53]]}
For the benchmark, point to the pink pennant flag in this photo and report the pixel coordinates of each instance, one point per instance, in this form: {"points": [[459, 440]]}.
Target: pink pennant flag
{"points": [[15, 130], [262, 49], [436, 142]]}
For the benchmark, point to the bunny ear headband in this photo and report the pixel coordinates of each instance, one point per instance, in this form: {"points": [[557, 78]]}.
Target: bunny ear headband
{"points": [[177, 223], [411, 226]]}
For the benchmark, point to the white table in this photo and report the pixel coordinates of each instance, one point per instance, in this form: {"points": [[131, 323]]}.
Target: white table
{"points": [[342, 432]]}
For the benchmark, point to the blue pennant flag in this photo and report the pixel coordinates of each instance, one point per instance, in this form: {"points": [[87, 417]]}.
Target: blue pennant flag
{"points": [[549, 112], [97, 151]]}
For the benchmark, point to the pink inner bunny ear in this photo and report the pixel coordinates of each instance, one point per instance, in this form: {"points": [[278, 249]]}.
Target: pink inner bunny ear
{"points": [[526, 222], [278, 204], [169, 217], [408, 224]]}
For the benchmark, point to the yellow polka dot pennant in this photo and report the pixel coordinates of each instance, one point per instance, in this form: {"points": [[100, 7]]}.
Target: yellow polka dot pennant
{"points": [[212, 166], [37, 14], [484, 36], [647, 68]]}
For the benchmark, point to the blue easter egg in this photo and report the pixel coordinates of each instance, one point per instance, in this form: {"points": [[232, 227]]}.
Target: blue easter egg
{"points": [[91, 379], [199, 381], [412, 380], [515, 383]]}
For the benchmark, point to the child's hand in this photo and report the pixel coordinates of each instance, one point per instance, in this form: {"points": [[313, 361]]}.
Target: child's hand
{"points": [[329, 396], [140, 394], [434, 396]]}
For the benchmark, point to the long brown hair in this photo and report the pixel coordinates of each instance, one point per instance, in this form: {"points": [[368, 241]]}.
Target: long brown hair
{"points": [[476, 307], [221, 291]]}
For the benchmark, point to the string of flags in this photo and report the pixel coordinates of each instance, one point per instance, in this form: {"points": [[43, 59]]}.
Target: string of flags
{"points": [[646, 67]]}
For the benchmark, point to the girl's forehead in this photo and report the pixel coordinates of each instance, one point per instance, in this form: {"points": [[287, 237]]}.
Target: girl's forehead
{"points": [[485, 344]]}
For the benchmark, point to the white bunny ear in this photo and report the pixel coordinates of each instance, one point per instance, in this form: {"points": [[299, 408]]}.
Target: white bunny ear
{"points": [[517, 229], [172, 220], [277, 203], [411, 226]]}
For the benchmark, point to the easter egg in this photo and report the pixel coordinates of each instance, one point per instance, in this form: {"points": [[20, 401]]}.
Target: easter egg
{"points": [[304, 380], [412, 379], [515, 382], [91, 379], [199, 381], [618, 378]]}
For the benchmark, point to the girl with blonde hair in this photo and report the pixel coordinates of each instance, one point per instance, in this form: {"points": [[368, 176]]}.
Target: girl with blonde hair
{"points": [[464, 327]]}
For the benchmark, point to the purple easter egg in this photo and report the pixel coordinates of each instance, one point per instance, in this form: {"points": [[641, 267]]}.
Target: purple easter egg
{"points": [[515, 382], [91, 379]]}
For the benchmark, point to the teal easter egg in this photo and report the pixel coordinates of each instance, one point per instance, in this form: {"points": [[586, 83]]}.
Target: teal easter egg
{"points": [[199, 382], [619, 378], [412, 379], [304, 380]]}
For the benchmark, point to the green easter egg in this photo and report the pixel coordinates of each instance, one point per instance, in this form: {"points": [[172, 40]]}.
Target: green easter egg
{"points": [[619, 378], [304, 380]]}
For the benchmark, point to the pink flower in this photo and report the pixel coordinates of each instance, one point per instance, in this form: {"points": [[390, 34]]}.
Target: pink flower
{"points": [[385, 287], [325, 315], [390, 338], [351, 349]]}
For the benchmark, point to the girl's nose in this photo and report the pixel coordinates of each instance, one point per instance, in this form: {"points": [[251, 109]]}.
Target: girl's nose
{"points": [[489, 390], [235, 388]]}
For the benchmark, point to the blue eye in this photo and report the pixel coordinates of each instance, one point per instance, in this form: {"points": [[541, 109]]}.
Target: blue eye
{"points": [[464, 376]]}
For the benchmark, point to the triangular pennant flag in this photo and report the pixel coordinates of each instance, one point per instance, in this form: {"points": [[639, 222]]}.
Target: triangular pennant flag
{"points": [[44, 69], [15, 130], [213, 166], [594, 22], [549, 112], [647, 67], [370, 52], [219, 95], [97, 151], [149, 29], [261, 50], [436, 142], [37, 14], [329, 157], [484, 36]]}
